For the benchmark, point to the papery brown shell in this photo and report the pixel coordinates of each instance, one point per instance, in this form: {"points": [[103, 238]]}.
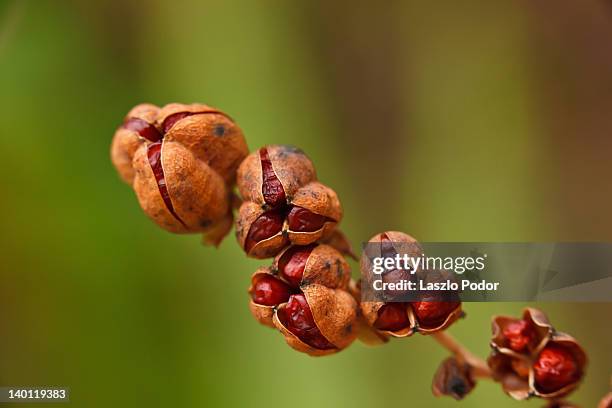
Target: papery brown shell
{"points": [[290, 164], [539, 321], [198, 194], [218, 230], [126, 142], [324, 266], [452, 378], [334, 312], [210, 135], [319, 199], [365, 333], [338, 240], [247, 214], [512, 384], [263, 314]]}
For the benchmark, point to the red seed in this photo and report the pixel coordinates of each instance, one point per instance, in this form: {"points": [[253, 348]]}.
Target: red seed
{"points": [[303, 220], [292, 263], [265, 226], [555, 368], [297, 318], [392, 317], [271, 189], [432, 314], [518, 334], [143, 128], [269, 291]]}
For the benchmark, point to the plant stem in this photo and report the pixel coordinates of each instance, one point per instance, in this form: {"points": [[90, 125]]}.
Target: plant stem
{"points": [[478, 366]]}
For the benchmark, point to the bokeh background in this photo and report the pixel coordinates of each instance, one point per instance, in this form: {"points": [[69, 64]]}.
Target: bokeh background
{"points": [[478, 120]]}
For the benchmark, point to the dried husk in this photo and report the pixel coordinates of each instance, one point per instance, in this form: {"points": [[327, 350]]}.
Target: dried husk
{"points": [[264, 314], [453, 378], [198, 194], [324, 266], [503, 372], [290, 164], [340, 242], [319, 199], [502, 357], [200, 155], [126, 142], [210, 135], [267, 248], [365, 333], [218, 230]]}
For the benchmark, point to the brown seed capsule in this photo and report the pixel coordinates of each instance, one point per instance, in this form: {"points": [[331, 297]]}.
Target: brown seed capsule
{"points": [[453, 378], [208, 133], [431, 314], [181, 161], [305, 295], [319, 322], [530, 358], [272, 175]]}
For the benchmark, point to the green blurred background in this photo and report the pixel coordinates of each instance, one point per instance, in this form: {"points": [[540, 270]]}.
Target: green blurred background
{"points": [[478, 120]]}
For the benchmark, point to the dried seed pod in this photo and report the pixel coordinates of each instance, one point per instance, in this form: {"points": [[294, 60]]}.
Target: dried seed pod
{"points": [[208, 133], [260, 232], [453, 378], [320, 321], [314, 214], [177, 191], [270, 176], [181, 161], [305, 295], [530, 358], [315, 263], [431, 314]]}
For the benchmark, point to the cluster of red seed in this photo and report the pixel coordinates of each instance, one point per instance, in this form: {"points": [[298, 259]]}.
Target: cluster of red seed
{"points": [[432, 313], [531, 358], [183, 160], [287, 213]]}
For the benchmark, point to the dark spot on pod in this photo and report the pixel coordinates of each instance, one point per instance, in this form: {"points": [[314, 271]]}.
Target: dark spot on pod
{"points": [[219, 130]]}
